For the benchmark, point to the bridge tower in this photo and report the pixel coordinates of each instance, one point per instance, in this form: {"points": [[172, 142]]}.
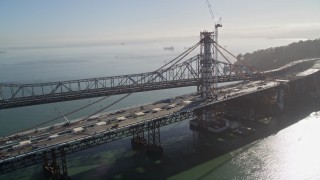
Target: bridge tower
{"points": [[206, 64]]}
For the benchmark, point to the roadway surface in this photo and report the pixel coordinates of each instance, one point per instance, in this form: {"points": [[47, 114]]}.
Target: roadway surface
{"points": [[32, 140], [11, 146], [16, 146]]}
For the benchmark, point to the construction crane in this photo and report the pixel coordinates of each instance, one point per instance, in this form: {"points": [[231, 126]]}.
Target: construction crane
{"points": [[217, 24], [68, 121]]}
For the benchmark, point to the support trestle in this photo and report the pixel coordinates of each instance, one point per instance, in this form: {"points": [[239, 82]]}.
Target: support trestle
{"points": [[51, 168], [138, 141], [153, 146]]}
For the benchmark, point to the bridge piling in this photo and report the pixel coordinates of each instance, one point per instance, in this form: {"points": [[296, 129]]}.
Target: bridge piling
{"points": [[64, 164], [51, 169], [138, 141], [45, 164], [153, 146], [280, 99], [55, 169]]}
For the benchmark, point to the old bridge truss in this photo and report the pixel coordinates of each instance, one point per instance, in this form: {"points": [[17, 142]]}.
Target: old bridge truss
{"points": [[181, 74], [186, 73]]}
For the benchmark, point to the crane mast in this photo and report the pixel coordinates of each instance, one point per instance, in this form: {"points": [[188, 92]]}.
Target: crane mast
{"points": [[217, 25]]}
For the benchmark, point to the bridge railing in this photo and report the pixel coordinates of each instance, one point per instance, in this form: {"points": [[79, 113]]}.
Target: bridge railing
{"points": [[186, 73], [187, 70], [36, 156]]}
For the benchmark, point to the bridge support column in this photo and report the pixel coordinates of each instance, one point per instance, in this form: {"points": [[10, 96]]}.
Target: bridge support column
{"points": [[54, 166], [153, 146], [207, 116], [52, 169], [280, 99], [317, 79], [207, 65], [315, 84], [45, 164], [207, 73], [138, 141], [64, 164]]}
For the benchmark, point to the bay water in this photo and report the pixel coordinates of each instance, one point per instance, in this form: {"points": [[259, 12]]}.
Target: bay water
{"points": [[290, 153]]}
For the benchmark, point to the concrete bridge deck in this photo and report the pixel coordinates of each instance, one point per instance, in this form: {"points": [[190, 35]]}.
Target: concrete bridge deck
{"points": [[25, 149]]}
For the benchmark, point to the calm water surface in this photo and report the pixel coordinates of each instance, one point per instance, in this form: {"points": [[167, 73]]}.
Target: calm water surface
{"points": [[291, 153]]}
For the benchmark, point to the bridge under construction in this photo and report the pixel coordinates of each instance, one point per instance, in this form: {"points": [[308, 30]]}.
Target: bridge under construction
{"points": [[212, 108]]}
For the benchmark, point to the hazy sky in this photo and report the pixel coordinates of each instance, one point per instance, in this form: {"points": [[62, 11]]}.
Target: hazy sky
{"points": [[41, 21]]}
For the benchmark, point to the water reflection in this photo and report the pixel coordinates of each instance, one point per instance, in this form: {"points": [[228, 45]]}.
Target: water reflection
{"points": [[289, 153], [292, 153]]}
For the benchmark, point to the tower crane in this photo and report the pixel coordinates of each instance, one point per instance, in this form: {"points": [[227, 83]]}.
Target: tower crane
{"points": [[217, 24]]}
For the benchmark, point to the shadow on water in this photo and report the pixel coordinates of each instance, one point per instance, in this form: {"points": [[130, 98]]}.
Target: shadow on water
{"points": [[183, 150]]}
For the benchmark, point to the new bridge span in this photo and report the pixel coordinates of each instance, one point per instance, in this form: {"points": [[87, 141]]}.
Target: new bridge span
{"points": [[45, 144], [202, 108]]}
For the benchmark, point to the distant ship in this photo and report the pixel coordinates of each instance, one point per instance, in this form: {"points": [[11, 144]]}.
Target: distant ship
{"points": [[170, 48]]}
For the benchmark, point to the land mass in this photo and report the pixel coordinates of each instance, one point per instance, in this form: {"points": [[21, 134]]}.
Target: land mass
{"points": [[275, 57]]}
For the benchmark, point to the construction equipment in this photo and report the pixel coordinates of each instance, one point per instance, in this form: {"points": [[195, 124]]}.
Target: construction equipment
{"points": [[68, 121], [217, 24]]}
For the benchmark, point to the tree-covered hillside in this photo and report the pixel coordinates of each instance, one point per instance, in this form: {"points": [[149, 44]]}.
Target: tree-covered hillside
{"points": [[275, 57]]}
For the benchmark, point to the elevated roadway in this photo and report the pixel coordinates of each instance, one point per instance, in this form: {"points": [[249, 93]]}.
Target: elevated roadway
{"points": [[182, 74], [25, 149]]}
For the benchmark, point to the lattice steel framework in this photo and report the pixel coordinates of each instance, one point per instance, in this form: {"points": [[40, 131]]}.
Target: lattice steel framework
{"points": [[183, 74], [37, 156], [207, 64], [154, 133], [179, 75]]}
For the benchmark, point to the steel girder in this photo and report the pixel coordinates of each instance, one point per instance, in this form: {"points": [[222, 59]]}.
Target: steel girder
{"points": [[36, 156], [180, 75], [154, 133]]}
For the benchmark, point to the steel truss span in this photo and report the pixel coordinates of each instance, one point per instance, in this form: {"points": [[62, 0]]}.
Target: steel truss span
{"points": [[184, 74], [34, 157]]}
